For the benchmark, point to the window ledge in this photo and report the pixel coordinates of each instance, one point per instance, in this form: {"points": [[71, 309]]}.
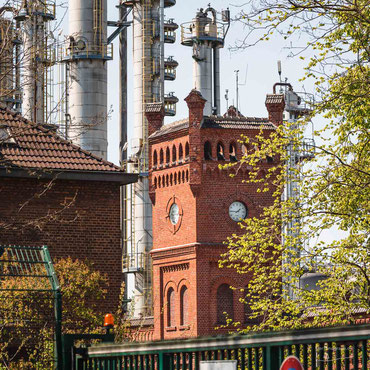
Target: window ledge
{"points": [[184, 327], [171, 328]]}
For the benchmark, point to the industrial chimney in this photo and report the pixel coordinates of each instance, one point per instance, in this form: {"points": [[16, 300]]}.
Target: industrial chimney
{"points": [[206, 36]]}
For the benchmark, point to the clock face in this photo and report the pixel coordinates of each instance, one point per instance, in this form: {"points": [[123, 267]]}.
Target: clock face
{"points": [[237, 211], [174, 214]]}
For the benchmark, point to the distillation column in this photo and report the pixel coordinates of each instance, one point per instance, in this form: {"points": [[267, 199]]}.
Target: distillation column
{"points": [[9, 60], [34, 16], [149, 35], [86, 54], [206, 36]]}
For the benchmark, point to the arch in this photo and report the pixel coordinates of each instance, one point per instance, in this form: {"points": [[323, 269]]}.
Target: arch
{"points": [[167, 180], [171, 179], [175, 178], [167, 155], [171, 307], [161, 156], [270, 159], [187, 149], [155, 158], [244, 149], [163, 181], [207, 151], [232, 152], [159, 181], [183, 176], [224, 299], [181, 153], [155, 183], [174, 154], [179, 177], [187, 175], [220, 151], [184, 305]]}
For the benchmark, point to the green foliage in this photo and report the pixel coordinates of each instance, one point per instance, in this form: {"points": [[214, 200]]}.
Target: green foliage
{"points": [[27, 317], [334, 187]]}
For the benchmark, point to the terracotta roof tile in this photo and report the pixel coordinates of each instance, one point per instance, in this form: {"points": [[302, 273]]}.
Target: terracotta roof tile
{"points": [[38, 147]]}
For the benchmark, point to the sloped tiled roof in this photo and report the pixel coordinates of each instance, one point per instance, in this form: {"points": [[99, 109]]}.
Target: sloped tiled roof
{"points": [[225, 122], [38, 147]]}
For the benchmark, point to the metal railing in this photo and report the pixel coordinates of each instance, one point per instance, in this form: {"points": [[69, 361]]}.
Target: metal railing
{"points": [[189, 33], [84, 50], [324, 348], [135, 262]]}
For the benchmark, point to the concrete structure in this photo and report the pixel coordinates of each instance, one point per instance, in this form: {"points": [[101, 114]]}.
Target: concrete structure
{"points": [[150, 33], [56, 194], [86, 54], [206, 36], [193, 214]]}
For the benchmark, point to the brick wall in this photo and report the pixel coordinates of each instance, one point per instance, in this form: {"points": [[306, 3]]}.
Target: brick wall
{"points": [[79, 219]]}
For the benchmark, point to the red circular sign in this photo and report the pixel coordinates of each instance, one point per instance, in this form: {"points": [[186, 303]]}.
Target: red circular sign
{"points": [[291, 363]]}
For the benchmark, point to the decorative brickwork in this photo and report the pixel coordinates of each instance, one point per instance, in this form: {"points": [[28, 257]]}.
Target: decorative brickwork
{"points": [[202, 222]]}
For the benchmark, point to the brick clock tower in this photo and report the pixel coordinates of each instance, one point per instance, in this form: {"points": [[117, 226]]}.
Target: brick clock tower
{"points": [[196, 206]]}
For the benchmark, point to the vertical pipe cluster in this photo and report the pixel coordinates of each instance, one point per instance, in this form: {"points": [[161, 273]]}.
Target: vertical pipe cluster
{"points": [[86, 54], [9, 61], [149, 37], [34, 17]]}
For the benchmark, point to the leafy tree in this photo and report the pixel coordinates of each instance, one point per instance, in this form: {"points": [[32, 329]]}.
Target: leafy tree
{"points": [[334, 187], [27, 317]]}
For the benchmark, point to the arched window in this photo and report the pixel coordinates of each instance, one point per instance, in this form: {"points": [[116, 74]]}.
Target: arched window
{"points": [[171, 307], [187, 149], [168, 155], [171, 179], [155, 158], [161, 157], [224, 303], [183, 176], [220, 152], [207, 151], [159, 181], [270, 159], [179, 177], [187, 175], [155, 183], [181, 153], [244, 150], [174, 154], [184, 314], [232, 152], [167, 180]]}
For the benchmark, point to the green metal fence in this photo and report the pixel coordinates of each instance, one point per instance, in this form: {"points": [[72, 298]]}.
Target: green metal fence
{"points": [[30, 309], [326, 348]]}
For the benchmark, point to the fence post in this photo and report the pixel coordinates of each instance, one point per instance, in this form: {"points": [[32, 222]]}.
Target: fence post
{"points": [[272, 358], [58, 329], [164, 360]]}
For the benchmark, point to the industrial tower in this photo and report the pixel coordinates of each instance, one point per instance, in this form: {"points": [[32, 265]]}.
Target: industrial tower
{"points": [[10, 41], [30, 66], [206, 36], [150, 67], [85, 54]]}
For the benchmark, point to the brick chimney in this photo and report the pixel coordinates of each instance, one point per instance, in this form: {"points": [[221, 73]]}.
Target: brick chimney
{"points": [[196, 103], [154, 113], [275, 104]]}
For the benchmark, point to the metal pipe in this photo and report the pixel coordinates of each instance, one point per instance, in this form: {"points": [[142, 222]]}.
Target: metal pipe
{"points": [[216, 80], [282, 84]]}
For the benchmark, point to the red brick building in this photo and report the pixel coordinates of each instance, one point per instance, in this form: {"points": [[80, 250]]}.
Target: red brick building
{"points": [[196, 206], [56, 194]]}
